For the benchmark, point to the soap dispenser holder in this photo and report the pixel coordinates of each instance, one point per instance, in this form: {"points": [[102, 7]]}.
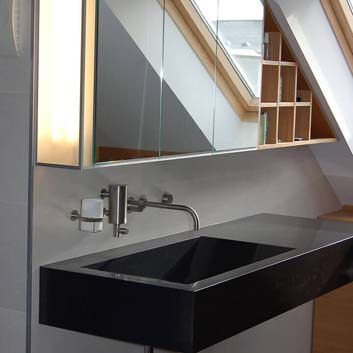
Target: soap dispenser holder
{"points": [[92, 211], [91, 216]]}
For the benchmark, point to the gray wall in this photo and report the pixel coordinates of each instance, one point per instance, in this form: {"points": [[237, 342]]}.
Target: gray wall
{"points": [[14, 156], [220, 188]]}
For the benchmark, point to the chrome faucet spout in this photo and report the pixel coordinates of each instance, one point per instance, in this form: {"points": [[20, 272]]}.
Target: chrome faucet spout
{"points": [[140, 204]]}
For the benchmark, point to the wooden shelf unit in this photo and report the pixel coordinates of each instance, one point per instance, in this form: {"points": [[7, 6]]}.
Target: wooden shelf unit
{"points": [[294, 116]]}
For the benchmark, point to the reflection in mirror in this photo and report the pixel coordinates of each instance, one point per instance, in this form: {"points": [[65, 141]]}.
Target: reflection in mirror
{"points": [[239, 52], [239, 25], [189, 81], [236, 28], [128, 85], [177, 77]]}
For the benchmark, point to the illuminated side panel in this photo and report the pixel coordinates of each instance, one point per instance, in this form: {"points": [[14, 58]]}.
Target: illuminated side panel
{"points": [[59, 81], [89, 81]]}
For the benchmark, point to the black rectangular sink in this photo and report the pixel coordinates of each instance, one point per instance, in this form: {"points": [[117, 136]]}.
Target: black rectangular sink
{"points": [[190, 261], [189, 291]]}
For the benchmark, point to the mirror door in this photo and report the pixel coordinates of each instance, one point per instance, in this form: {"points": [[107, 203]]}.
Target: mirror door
{"points": [[128, 79], [188, 97]]}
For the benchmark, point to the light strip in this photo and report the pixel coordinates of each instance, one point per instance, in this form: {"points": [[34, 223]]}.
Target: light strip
{"points": [[59, 81]]}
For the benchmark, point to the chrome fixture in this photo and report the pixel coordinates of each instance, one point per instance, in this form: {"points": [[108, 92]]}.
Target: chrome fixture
{"points": [[91, 216], [117, 212], [142, 203], [93, 211]]}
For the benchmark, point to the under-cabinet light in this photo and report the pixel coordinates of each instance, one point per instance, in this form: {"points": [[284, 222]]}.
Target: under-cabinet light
{"points": [[65, 32]]}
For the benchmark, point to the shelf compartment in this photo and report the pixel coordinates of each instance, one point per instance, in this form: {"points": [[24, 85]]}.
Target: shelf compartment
{"points": [[270, 78], [270, 135], [286, 53], [302, 123], [272, 46], [302, 85], [286, 124], [288, 84], [320, 127], [303, 96]]}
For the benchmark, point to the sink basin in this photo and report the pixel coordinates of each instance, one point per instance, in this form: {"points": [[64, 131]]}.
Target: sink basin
{"points": [[189, 291], [190, 261]]}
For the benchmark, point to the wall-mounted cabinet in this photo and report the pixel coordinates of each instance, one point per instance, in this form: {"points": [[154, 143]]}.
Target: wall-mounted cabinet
{"points": [[166, 79]]}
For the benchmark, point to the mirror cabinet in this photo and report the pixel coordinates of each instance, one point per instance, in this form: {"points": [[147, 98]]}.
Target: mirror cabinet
{"points": [[177, 77], [167, 79]]}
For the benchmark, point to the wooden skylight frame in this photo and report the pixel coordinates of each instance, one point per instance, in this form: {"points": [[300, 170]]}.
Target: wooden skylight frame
{"points": [[213, 57]]}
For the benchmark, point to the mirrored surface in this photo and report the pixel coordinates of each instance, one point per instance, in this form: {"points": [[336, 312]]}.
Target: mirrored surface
{"points": [[128, 84], [238, 24], [189, 81], [177, 77], [239, 61]]}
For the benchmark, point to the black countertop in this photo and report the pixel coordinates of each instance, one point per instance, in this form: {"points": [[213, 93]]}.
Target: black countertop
{"points": [[301, 234], [211, 309]]}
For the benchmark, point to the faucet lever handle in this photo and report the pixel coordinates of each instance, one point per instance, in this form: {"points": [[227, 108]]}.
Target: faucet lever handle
{"points": [[104, 194], [167, 198]]}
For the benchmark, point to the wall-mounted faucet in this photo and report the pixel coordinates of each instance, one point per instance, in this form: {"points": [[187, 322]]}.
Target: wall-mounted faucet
{"points": [[120, 206], [167, 204]]}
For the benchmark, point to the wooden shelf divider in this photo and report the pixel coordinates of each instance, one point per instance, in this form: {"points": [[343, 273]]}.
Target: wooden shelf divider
{"points": [[294, 116]]}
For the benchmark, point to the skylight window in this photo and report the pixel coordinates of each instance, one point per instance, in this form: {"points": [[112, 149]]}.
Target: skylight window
{"points": [[238, 28]]}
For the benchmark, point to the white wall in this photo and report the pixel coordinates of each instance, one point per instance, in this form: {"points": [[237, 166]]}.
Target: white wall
{"points": [[220, 188], [305, 22], [14, 156]]}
